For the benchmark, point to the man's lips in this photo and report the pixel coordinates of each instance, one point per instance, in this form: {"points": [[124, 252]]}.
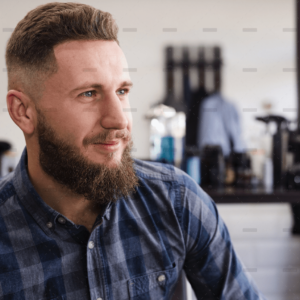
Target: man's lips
{"points": [[109, 143], [108, 146]]}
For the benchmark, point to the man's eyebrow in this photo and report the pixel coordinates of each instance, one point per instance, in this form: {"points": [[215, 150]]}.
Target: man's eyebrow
{"points": [[126, 83], [100, 86]]}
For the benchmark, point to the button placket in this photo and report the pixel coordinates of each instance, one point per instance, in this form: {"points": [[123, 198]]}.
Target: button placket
{"points": [[91, 244], [92, 259]]}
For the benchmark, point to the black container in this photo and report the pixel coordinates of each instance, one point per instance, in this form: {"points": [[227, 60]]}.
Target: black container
{"points": [[242, 169], [212, 167]]}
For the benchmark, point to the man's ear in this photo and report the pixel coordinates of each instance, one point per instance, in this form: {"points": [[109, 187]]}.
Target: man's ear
{"points": [[20, 110]]}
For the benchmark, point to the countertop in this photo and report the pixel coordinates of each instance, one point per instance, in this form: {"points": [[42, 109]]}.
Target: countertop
{"points": [[257, 195]]}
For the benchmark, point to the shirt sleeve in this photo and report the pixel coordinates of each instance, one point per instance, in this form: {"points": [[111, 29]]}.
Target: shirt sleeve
{"points": [[211, 264], [232, 125]]}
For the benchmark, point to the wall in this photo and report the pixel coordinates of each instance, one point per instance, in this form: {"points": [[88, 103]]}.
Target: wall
{"points": [[269, 48]]}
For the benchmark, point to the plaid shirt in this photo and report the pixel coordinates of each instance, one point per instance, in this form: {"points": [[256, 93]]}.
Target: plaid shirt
{"points": [[135, 251]]}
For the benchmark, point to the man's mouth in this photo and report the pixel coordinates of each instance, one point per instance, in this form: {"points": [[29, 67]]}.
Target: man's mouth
{"points": [[109, 143], [108, 146]]}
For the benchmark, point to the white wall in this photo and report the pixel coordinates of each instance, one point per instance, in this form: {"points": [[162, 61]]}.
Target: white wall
{"points": [[270, 49]]}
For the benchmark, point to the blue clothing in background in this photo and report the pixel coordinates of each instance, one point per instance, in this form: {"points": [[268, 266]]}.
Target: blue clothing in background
{"points": [[218, 124], [136, 249]]}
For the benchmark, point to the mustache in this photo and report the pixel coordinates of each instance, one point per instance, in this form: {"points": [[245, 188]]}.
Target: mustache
{"points": [[109, 135]]}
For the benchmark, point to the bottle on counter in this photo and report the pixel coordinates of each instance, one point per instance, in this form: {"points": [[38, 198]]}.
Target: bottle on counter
{"points": [[192, 163], [268, 173], [167, 130], [229, 171]]}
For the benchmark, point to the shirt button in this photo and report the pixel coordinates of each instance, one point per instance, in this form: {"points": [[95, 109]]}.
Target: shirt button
{"points": [[49, 224], [161, 278], [91, 246], [61, 220]]}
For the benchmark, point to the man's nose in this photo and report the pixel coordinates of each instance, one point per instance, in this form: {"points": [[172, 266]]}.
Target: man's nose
{"points": [[112, 114]]}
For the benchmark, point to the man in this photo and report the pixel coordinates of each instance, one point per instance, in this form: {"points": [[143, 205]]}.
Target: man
{"points": [[79, 218]]}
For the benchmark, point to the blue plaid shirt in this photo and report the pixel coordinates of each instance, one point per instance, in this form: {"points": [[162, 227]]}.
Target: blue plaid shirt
{"points": [[136, 249]]}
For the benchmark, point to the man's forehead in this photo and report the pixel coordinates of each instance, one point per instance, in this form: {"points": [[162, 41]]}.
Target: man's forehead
{"points": [[88, 63], [99, 51]]}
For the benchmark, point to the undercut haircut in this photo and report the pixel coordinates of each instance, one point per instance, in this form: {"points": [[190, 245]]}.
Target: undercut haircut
{"points": [[29, 56]]}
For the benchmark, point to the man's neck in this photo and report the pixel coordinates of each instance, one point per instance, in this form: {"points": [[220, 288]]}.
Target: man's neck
{"points": [[74, 207]]}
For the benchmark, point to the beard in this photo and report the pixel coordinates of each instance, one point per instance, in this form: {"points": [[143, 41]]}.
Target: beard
{"points": [[96, 182]]}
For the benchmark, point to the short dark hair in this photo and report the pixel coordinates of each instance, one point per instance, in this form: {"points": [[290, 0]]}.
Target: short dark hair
{"points": [[29, 51]]}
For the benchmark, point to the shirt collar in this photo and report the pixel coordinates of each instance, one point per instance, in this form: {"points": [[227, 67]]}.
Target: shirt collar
{"points": [[40, 211]]}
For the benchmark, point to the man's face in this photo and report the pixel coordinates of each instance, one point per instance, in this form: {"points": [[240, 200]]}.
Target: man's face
{"points": [[85, 105], [89, 97]]}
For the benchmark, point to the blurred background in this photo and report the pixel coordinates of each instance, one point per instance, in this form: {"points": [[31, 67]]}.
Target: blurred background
{"points": [[215, 94]]}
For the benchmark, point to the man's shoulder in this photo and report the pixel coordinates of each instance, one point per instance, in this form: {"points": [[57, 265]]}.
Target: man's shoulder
{"points": [[191, 192], [149, 170], [157, 170]]}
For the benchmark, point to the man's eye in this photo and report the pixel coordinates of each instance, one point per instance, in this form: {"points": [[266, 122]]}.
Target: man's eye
{"points": [[88, 94], [123, 91]]}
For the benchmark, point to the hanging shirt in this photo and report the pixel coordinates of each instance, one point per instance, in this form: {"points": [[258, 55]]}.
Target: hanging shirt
{"points": [[136, 249], [218, 124]]}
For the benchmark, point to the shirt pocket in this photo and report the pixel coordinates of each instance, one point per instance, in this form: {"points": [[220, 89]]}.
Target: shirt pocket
{"points": [[155, 286]]}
